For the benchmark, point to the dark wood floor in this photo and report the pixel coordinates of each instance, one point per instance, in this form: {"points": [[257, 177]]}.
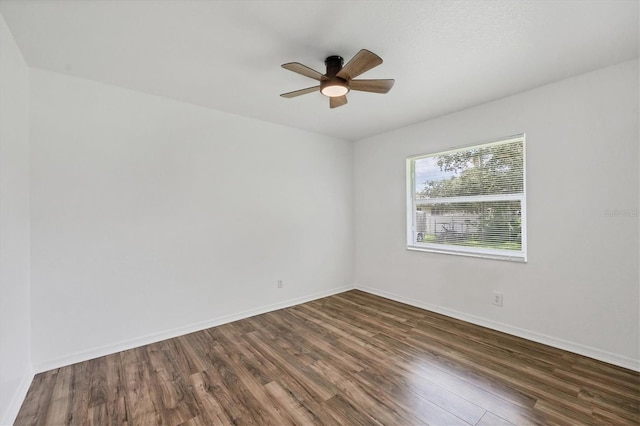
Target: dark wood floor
{"points": [[352, 358]]}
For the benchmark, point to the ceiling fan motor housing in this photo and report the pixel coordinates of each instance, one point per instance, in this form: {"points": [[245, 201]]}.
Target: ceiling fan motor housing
{"points": [[334, 65], [333, 85]]}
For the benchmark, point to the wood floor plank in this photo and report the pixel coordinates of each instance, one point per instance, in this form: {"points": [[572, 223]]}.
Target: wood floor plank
{"points": [[196, 347], [97, 415], [36, 403], [401, 386], [318, 387], [236, 393], [341, 409], [367, 398], [352, 358], [117, 412], [490, 419], [255, 386], [139, 403], [174, 392], [214, 403], [299, 413]]}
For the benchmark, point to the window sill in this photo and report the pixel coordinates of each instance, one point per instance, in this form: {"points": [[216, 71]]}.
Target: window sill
{"points": [[497, 255]]}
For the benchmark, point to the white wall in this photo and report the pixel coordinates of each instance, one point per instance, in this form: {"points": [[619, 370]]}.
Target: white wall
{"points": [[15, 344], [151, 217], [579, 289]]}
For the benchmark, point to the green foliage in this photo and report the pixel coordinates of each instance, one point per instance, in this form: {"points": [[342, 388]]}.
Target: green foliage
{"points": [[429, 238], [492, 170], [506, 245], [502, 223]]}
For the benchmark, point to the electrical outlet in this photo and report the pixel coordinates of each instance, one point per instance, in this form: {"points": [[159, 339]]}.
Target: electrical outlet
{"points": [[280, 284], [497, 298]]}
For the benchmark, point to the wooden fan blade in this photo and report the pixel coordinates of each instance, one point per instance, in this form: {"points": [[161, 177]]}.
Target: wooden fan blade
{"points": [[337, 101], [375, 86], [300, 92], [363, 61], [303, 69]]}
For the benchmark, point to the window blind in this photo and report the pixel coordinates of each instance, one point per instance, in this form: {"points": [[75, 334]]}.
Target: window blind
{"points": [[470, 200]]}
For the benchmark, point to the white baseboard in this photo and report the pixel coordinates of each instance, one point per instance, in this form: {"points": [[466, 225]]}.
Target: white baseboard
{"points": [[179, 331], [577, 348], [608, 357], [16, 401]]}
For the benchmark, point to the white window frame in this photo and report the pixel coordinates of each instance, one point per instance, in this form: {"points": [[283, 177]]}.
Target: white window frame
{"points": [[499, 254]]}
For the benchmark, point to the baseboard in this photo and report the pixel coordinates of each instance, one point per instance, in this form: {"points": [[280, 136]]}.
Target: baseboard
{"points": [[577, 348], [16, 401], [611, 358], [179, 331]]}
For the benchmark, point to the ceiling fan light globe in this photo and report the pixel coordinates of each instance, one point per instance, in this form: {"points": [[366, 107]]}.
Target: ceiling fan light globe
{"points": [[335, 90]]}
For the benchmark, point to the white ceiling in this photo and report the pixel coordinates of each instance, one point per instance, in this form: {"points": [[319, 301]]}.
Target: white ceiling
{"points": [[226, 55]]}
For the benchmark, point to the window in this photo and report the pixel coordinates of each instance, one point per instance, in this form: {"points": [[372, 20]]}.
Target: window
{"points": [[469, 201]]}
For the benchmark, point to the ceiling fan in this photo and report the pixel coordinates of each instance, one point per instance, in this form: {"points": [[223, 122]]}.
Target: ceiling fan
{"points": [[338, 80]]}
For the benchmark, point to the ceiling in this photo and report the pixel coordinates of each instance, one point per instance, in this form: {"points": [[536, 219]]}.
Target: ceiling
{"points": [[444, 55]]}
